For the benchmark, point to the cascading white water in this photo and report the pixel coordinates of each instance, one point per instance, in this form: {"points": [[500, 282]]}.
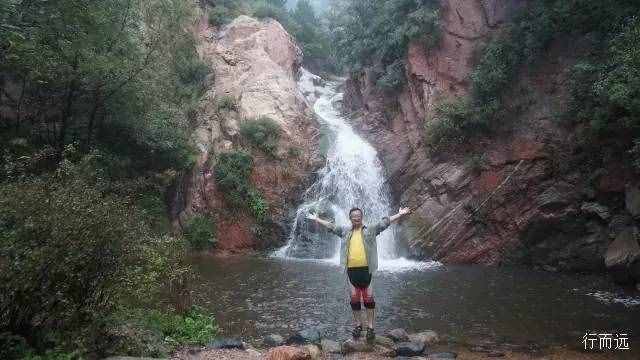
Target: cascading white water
{"points": [[351, 177]]}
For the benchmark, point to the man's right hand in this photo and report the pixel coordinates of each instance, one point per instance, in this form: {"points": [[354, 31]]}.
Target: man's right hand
{"points": [[313, 217]]}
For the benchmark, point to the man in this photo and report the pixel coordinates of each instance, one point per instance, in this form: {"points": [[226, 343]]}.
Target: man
{"points": [[359, 254]]}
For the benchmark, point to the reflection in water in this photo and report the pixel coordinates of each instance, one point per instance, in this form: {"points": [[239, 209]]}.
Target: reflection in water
{"points": [[254, 297]]}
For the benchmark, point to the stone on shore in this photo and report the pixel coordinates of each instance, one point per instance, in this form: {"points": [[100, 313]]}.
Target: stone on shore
{"points": [[384, 341], [397, 335], [427, 337], [307, 336], [226, 343], [330, 346], [273, 340], [314, 351], [408, 348], [287, 353], [442, 356], [621, 255]]}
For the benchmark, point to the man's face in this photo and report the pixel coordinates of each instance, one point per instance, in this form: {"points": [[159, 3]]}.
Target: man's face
{"points": [[356, 218]]}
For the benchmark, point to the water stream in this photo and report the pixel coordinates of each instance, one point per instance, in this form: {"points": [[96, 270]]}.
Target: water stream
{"points": [[352, 177]]}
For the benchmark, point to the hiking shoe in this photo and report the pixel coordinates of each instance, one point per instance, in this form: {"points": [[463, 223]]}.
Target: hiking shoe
{"points": [[371, 335], [357, 332]]}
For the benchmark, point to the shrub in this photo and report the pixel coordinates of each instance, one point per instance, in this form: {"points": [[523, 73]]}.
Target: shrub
{"points": [[195, 327], [453, 123], [154, 209], [393, 78], [258, 206], [232, 176], [227, 102], [95, 250], [294, 152], [200, 232], [262, 133]]}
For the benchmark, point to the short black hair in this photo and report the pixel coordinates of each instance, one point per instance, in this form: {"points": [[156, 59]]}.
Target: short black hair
{"points": [[355, 209]]}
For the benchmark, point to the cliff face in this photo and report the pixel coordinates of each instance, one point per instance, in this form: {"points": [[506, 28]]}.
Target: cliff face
{"points": [[524, 197], [255, 63]]}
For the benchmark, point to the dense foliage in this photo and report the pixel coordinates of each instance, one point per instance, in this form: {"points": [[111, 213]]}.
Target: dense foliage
{"points": [[96, 102], [200, 232], [262, 133], [603, 84], [232, 174], [377, 33]]}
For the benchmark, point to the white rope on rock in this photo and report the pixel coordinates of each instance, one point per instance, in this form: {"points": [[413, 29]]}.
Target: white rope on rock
{"points": [[451, 212]]}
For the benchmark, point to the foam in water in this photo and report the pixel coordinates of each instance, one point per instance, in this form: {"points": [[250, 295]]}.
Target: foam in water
{"points": [[351, 177]]}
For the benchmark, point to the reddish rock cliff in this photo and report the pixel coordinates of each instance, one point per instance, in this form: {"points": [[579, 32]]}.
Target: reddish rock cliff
{"points": [[521, 196]]}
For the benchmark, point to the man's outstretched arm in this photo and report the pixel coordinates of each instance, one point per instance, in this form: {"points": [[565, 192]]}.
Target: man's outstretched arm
{"points": [[329, 225], [401, 213]]}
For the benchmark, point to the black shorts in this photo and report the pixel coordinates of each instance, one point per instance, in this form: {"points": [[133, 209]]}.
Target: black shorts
{"points": [[359, 277]]}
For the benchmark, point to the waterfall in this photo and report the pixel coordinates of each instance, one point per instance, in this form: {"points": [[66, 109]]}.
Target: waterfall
{"points": [[352, 177]]}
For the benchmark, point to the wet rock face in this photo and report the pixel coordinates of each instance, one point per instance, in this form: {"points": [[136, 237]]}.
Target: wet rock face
{"points": [[255, 63], [521, 196]]}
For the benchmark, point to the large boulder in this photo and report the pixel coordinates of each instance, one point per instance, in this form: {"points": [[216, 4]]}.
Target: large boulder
{"points": [[622, 254]]}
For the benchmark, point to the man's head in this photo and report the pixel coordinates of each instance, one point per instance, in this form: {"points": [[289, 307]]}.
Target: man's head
{"points": [[355, 215]]}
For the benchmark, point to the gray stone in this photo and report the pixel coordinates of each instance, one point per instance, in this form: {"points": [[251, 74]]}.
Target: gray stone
{"points": [[442, 356], [351, 346], [273, 340], [313, 351], [624, 249], [397, 335], [596, 209], [428, 337], [632, 200], [307, 336], [384, 341], [226, 343], [330, 346], [408, 348]]}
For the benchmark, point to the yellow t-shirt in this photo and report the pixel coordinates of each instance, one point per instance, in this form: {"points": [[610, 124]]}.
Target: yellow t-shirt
{"points": [[357, 256]]}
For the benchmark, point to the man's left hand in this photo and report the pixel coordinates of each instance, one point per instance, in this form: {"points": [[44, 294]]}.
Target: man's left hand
{"points": [[404, 211]]}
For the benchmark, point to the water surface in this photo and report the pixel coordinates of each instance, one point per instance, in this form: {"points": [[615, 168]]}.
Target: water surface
{"points": [[253, 297]]}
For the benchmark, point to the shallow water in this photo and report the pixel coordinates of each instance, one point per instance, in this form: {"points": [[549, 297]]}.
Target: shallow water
{"points": [[253, 297]]}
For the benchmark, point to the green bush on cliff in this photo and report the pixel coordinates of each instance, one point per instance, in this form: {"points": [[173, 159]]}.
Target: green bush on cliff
{"points": [[200, 232], [452, 123], [227, 102], [605, 93], [232, 174], [263, 133], [596, 86]]}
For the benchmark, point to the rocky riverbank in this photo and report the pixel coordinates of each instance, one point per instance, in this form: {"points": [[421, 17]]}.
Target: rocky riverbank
{"points": [[396, 343]]}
